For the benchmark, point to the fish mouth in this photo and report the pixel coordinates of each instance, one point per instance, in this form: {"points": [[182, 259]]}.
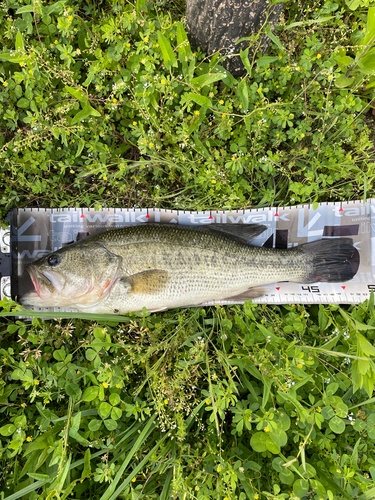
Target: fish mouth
{"points": [[45, 283]]}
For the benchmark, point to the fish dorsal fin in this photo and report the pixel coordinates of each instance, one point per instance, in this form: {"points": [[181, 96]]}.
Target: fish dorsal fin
{"points": [[238, 232], [241, 232], [147, 282]]}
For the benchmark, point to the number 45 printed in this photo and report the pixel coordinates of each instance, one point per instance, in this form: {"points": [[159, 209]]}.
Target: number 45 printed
{"points": [[313, 288]]}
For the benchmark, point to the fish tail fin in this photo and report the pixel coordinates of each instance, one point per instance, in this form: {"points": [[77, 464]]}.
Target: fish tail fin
{"points": [[333, 260]]}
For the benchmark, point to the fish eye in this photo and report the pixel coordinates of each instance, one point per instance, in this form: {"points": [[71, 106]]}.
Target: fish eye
{"points": [[54, 260]]}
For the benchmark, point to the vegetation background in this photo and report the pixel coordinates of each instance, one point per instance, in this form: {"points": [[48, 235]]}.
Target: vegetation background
{"points": [[104, 104]]}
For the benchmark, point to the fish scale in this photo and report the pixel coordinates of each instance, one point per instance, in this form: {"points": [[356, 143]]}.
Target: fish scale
{"points": [[160, 266]]}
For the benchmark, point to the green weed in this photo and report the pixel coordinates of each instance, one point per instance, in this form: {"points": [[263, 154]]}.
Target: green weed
{"points": [[105, 104]]}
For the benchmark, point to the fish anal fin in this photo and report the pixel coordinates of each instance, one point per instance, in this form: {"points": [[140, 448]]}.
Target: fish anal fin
{"points": [[147, 282], [251, 293]]}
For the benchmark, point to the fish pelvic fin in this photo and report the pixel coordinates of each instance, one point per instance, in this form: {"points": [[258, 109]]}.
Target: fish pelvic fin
{"points": [[333, 260], [251, 293], [147, 282]]}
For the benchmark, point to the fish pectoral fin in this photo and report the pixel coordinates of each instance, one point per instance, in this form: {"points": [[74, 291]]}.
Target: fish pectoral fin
{"points": [[147, 282], [251, 293]]}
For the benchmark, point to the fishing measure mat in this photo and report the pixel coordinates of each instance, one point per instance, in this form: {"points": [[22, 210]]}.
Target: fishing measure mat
{"points": [[33, 233]]}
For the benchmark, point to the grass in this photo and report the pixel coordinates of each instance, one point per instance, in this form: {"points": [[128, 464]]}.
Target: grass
{"points": [[106, 105]]}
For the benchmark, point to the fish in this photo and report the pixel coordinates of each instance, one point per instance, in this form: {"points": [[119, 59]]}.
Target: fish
{"points": [[162, 266]]}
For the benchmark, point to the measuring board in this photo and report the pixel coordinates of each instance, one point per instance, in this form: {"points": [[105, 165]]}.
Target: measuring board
{"points": [[34, 233]]}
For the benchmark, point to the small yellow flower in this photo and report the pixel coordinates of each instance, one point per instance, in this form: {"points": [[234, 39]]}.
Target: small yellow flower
{"points": [[213, 181], [196, 112], [28, 439], [47, 401], [196, 488], [319, 56], [105, 385], [226, 498], [300, 365], [134, 479], [208, 401], [74, 29], [166, 401], [114, 100], [256, 496], [349, 157], [134, 123], [145, 39], [259, 91], [318, 409], [22, 63], [162, 81], [71, 171], [330, 78], [31, 71], [55, 42], [302, 136], [117, 386], [151, 144], [143, 361], [221, 101], [120, 37], [128, 44], [338, 470], [36, 382], [219, 469], [104, 177], [224, 116], [70, 18], [266, 429]]}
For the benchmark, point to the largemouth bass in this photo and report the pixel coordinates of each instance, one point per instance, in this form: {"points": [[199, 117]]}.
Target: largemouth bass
{"points": [[161, 266]]}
